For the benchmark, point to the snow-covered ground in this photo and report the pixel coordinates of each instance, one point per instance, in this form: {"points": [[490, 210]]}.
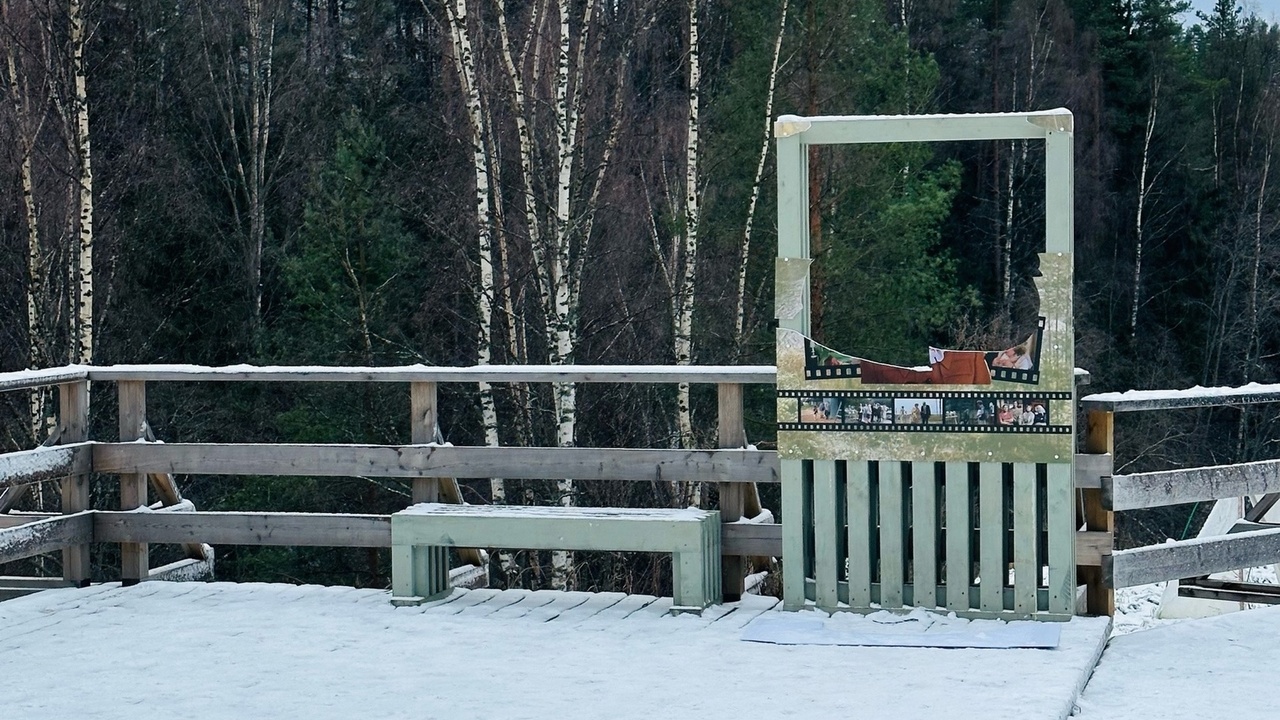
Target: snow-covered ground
{"points": [[201, 651], [1218, 667]]}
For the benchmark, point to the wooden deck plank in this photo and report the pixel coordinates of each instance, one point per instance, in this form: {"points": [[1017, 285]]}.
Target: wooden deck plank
{"points": [[468, 599], [499, 602], [596, 603], [562, 603], [750, 608], [533, 601]]}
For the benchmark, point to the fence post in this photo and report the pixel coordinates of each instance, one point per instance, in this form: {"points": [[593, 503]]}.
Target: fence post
{"points": [[135, 562], [731, 434], [73, 416], [422, 401], [1099, 439]]}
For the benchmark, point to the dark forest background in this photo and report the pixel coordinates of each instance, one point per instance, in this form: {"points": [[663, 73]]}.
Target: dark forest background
{"points": [[295, 182]]}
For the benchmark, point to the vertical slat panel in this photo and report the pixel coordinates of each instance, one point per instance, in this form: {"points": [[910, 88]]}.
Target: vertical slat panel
{"points": [[958, 530], [793, 534], [924, 532], [991, 567], [858, 497], [1062, 545], [891, 535], [826, 534], [1025, 571]]}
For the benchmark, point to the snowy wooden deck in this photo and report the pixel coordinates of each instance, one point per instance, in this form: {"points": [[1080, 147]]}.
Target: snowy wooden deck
{"points": [[197, 651]]}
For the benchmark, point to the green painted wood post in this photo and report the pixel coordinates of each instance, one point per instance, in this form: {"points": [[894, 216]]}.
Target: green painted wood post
{"points": [[959, 532], [924, 534]]}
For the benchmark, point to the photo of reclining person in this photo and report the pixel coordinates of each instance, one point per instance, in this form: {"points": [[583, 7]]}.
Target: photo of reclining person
{"points": [[954, 367], [1019, 357]]}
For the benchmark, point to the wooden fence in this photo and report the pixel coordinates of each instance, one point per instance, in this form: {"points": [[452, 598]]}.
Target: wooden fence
{"points": [[1250, 544], [69, 457], [144, 468]]}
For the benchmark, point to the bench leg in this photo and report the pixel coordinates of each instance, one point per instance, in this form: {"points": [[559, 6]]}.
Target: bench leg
{"points": [[689, 582], [418, 573]]}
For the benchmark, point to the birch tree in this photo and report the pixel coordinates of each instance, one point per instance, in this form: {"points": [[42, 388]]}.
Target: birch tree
{"points": [[739, 326], [84, 329], [682, 303]]}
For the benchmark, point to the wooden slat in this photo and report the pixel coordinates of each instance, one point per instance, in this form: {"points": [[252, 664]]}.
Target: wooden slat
{"points": [[1026, 569], [419, 373], [244, 528], [1061, 517], [991, 566], [422, 405], [793, 561], [438, 461], [1090, 469], [1193, 558], [45, 536], [921, 128], [25, 379], [959, 532], [892, 536], [44, 463], [827, 531], [924, 533], [1188, 485], [135, 563], [1099, 438], [185, 570], [858, 500]]}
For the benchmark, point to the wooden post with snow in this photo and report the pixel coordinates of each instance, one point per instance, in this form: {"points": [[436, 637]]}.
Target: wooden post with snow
{"points": [[135, 563], [73, 418]]}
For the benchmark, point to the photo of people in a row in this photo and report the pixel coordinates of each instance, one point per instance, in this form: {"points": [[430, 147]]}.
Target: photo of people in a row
{"points": [[865, 411], [924, 411], [997, 411], [946, 367]]}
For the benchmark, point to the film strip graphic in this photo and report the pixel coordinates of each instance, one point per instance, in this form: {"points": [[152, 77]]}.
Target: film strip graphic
{"points": [[823, 363], [904, 411], [996, 429], [936, 394]]}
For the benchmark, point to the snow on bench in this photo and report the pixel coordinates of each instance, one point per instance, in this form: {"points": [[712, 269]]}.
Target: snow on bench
{"points": [[421, 534]]}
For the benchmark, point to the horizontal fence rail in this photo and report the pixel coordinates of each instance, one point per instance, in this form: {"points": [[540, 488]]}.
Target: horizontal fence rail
{"points": [[27, 379], [1193, 558], [1187, 485], [1197, 397], [424, 373], [44, 536], [644, 465], [44, 463]]}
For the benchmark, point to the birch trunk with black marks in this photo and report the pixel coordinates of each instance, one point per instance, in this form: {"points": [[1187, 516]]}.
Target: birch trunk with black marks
{"points": [[82, 343], [683, 301]]}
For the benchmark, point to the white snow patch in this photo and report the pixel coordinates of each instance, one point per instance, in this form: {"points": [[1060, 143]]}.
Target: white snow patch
{"points": [[203, 651]]}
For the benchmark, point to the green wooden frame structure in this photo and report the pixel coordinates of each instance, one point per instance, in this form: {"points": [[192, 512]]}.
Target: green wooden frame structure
{"points": [[896, 519]]}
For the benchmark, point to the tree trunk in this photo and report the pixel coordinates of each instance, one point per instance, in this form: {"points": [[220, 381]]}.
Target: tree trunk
{"points": [[1144, 189], [685, 295], [83, 342], [739, 326]]}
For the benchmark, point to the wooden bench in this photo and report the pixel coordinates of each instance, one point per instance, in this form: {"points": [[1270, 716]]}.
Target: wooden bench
{"points": [[421, 534]]}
